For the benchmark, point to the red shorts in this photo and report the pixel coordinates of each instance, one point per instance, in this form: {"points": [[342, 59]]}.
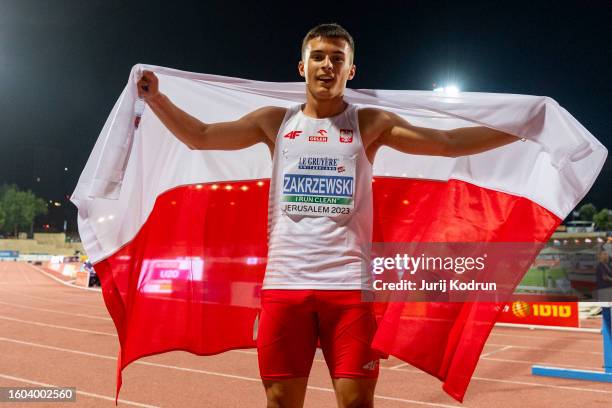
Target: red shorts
{"points": [[293, 322]]}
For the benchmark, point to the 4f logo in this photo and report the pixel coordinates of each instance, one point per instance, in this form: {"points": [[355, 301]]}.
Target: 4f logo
{"points": [[293, 134], [346, 135]]}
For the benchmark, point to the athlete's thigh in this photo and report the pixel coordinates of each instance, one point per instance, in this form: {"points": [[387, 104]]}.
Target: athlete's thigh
{"points": [[346, 329], [287, 335]]}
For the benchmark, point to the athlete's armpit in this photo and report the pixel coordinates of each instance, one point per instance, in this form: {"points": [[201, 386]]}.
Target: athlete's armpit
{"points": [[259, 126], [383, 128]]}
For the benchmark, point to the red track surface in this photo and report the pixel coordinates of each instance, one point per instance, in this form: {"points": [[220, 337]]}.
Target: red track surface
{"points": [[52, 334]]}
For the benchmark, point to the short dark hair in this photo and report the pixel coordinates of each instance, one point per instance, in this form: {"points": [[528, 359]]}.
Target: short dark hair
{"points": [[329, 30]]}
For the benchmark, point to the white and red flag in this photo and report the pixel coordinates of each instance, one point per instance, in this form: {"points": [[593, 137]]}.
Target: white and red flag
{"points": [[178, 237]]}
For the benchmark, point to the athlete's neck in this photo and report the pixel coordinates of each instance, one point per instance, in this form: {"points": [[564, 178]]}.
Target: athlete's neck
{"points": [[327, 108]]}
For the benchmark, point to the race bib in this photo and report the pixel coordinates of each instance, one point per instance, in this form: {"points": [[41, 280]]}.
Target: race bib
{"points": [[318, 185]]}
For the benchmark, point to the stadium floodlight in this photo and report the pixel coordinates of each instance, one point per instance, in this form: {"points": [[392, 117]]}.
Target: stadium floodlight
{"points": [[450, 90]]}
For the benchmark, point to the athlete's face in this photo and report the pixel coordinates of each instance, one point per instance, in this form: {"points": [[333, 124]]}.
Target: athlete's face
{"points": [[327, 64]]}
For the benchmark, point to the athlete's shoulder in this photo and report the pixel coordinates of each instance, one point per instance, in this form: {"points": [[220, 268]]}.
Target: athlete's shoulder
{"points": [[372, 122], [373, 114], [269, 119], [270, 113]]}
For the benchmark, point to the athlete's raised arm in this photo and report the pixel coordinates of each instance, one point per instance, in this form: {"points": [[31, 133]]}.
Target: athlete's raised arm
{"points": [[384, 128], [259, 126]]}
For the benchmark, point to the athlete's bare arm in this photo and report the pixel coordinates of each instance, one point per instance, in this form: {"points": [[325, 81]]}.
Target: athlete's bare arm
{"points": [[383, 128], [259, 126]]}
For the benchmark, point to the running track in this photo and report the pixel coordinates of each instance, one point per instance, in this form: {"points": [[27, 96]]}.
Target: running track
{"points": [[55, 335]]}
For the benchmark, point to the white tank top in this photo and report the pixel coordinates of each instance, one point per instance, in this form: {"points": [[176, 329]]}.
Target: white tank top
{"points": [[320, 204]]}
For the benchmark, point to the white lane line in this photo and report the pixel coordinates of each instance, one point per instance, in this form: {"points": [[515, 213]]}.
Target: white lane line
{"points": [[495, 351], [55, 311], [546, 363], [553, 328], [8, 275], [506, 325], [88, 394], [55, 326], [598, 353], [25, 275], [383, 397], [530, 337], [535, 384], [431, 404], [321, 360], [397, 367], [523, 326], [213, 373], [81, 305], [71, 285], [484, 356], [44, 346]]}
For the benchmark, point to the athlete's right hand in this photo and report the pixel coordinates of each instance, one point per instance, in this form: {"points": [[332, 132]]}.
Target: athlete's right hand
{"points": [[148, 85]]}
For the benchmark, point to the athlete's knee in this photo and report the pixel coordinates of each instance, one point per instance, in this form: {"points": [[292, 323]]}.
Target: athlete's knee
{"points": [[276, 397], [274, 400], [355, 401], [354, 393], [285, 394]]}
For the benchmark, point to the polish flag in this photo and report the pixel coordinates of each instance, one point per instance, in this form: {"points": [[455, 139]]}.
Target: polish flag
{"points": [[178, 237]]}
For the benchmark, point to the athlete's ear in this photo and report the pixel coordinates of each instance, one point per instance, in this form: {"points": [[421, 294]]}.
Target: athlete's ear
{"points": [[352, 72], [301, 69]]}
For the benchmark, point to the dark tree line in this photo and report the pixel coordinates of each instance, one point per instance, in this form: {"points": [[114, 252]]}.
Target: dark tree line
{"points": [[588, 212], [18, 209]]}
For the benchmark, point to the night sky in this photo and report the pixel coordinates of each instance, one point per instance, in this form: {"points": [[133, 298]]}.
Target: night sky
{"points": [[63, 64]]}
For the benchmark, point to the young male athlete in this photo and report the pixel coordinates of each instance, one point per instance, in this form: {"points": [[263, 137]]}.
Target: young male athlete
{"points": [[320, 214]]}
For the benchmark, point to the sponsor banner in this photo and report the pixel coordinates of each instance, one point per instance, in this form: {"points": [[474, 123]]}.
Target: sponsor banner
{"points": [[67, 270], [82, 279], [9, 254], [167, 276], [35, 257], [70, 269], [541, 313]]}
